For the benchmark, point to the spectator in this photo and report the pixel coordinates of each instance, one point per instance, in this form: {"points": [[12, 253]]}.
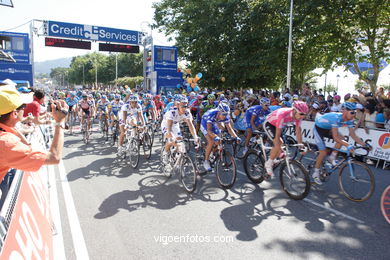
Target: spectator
{"points": [[336, 106], [35, 108], [16, 151]]}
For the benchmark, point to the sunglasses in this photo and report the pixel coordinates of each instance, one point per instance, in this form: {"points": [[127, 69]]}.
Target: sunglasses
{"points": [[224, 114], [352, 112], [302, 114]]}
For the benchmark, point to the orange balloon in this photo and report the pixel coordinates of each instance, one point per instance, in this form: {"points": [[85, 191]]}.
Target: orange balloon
{"points": [[189, 80], [195, 80], [193, 85]]}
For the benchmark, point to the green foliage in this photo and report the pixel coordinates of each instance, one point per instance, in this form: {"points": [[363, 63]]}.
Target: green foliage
{"points": [[246, 41], [359, 84], [130, 81], [82, 69]]}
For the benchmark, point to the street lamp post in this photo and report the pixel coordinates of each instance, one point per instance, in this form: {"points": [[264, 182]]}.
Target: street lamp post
{"points": [[290, 46], [337, 86]]}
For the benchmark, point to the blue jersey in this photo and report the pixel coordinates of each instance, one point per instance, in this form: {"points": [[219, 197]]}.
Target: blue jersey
{"points": [[211, 117], [71, 102], [146, 107], [116, 107], [332, 120], [258, 111]]}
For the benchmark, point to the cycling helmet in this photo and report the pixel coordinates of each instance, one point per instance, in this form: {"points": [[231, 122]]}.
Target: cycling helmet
{"points": [[147, 97], [181, 99], [84, 95], [295, 97], [117, 96], [157, 97], [169, 96], [337, 97], [211, 96], [200, 97], [72, 94], [301, 106], [223, 107], [192, 94], [349, 105], [61, 94], [133, 98], [264, 101], [104, 97], [98, 95]]}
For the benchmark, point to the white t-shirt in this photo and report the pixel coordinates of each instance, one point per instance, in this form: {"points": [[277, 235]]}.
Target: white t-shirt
{"points": [[336, 108]]}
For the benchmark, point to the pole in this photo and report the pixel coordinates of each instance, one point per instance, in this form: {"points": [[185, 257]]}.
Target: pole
{"points": [[116, 66], [290, 46], [83, 76], [96, 82], [144, 72], [32, 50]]}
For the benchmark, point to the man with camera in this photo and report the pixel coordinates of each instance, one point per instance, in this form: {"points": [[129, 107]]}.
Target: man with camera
{"points": [[16, 152]]}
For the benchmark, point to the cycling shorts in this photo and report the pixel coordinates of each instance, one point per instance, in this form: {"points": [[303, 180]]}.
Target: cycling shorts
{"points": [[319, 135], [270, 130], [86, 111], [176, 133], [258, 121]]}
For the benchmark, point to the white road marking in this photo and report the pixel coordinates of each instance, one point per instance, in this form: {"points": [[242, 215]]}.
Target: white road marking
{"points": [[75, 228], [333, 211], [58, 239]]}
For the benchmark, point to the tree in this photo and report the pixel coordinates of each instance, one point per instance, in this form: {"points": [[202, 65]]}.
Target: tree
{"points": [[60, 75]]}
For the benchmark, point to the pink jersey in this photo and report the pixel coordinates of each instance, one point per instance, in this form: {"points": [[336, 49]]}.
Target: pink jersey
{"points": [[281, 117]]}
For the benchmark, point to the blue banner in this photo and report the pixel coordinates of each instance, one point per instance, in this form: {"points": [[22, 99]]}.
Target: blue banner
{"points": [[15, 71], [16, 45], [91, 32], [165, 58], [168, 81]]}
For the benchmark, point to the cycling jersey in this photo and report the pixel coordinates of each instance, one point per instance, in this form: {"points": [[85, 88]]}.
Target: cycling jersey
{"points": [[131, 111], [174, 115], [146, 107], [332, 120], [71, 102], [282, 117], [116, 107], [169, 106], [257, 111], [85, 104], [102, 106], [211, 118]]}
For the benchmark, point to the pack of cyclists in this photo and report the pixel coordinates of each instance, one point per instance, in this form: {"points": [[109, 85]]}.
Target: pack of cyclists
{"points": [[207, 115]]}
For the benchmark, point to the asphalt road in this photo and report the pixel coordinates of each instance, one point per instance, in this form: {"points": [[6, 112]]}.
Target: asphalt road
{"points": [[115, 212]]}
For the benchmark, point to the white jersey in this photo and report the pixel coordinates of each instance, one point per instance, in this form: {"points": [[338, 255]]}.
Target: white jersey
{"points": [[131, 112], [173, 114]]}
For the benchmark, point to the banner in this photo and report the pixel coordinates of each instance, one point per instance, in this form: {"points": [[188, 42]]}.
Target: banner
{"points": [[379, 140], [91, 32]]}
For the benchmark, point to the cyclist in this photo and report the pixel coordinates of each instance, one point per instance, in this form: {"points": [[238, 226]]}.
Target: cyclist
{"points": [[170, 125], [158, 104], [148, 108], [114, 108], [102, 108], [71, 101], [86, 109], [212, 121], [255, 116], [274, 125], [130, 113], [327, 125]]}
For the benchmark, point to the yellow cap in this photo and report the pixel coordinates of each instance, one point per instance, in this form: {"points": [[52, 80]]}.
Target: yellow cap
{"points": [[10, 99]]}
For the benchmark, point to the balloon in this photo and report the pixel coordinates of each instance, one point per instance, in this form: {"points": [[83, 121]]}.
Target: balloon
{"points": [[223, 79], [188, 71], [200, 75], [193, 85], [189, 80], [195, 80], [196, 89], [178, 86], [189, 89]]}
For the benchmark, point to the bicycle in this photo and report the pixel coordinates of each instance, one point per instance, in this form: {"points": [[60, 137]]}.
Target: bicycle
{"points": [[85, 129], [293, 177], [179, 161], [221, 160], [115, 132], [385, 204], [351, 173], [104, 125]]}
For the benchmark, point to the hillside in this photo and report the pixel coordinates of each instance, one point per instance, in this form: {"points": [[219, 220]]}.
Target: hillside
{"points": [[46, 66]]}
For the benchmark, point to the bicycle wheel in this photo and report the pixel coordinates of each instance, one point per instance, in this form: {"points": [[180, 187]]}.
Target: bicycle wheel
{"points": [[188, 174], [385, 204], [147, 146], [254, 166], [114, 137], [151, 134], [226, 170], [295, 180], [357, 185], [134, 153]]}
